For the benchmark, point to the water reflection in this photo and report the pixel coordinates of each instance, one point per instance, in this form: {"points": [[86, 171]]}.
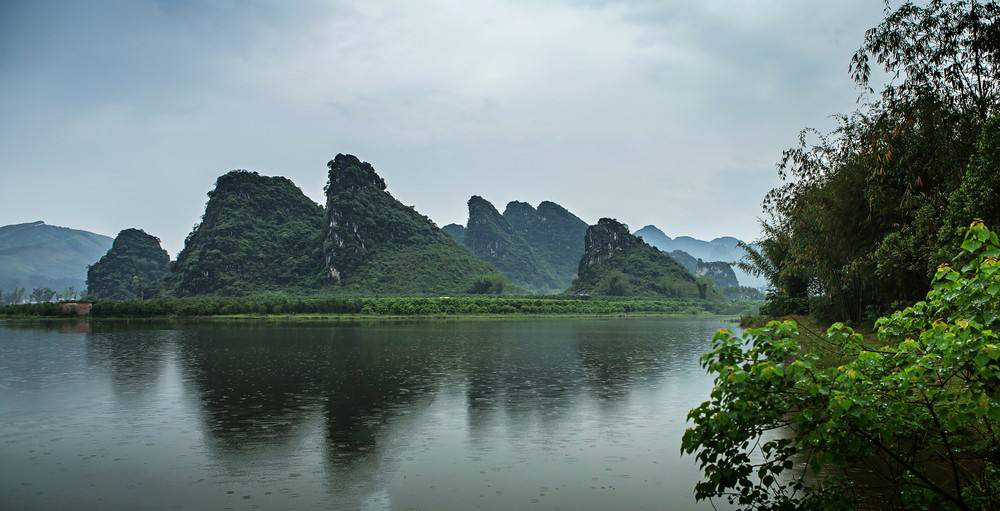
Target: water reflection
{"points": [[571, 414]]}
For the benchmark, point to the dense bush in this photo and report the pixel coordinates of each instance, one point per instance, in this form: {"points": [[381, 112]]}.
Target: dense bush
{"points": [[785, 428], [779, 304], [615, 283], [487, 286], [868, 211], [33, 309]]}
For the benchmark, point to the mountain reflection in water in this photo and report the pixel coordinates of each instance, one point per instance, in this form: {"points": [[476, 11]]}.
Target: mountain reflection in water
{"points": [[437, 415]]}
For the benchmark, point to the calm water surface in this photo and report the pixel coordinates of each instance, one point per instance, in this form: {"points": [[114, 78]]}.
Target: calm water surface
{"points": [[581, 414]]}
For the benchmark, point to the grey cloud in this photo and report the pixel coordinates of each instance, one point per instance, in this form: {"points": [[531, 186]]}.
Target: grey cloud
{"points": [[122, 113]]}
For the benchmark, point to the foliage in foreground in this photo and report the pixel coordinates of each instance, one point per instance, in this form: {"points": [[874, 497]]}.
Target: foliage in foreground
{"points": [[921, 409], [868, 211]]}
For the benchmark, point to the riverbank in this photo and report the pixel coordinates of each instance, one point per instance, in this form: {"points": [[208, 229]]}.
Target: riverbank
{"points": [[327, 308], [341, 319]]}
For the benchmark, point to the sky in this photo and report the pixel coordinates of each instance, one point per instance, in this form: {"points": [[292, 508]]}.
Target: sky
{"points": [[119, 114]]}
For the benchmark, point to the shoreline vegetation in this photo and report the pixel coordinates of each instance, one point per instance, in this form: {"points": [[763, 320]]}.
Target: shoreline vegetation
{"points": [[304, 308]]}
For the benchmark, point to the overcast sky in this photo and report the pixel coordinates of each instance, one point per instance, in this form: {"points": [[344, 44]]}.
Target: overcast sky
{"points": [[117, 114]]}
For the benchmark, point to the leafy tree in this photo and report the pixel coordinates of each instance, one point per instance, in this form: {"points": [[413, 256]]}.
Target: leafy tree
{"points": [[978, 196], [615, 284], [945, 49], [862, 208], [16, 296], [42, 295], [68, 294], [785, 428], [488, 285]]}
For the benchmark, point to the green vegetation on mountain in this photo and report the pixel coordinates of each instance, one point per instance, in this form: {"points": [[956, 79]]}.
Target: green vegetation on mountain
{"points": [[457, 232], [373, 244], [132, 269], [489, 236], [617, 263], [720, 273], [554, 234], [36, 255], [258, 233], [868, 211]]}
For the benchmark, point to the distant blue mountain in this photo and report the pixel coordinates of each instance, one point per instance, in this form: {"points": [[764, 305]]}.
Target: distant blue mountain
{"points": [[723, 249], [40, 255]]}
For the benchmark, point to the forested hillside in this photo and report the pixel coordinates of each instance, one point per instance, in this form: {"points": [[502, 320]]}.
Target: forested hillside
{"points": [[490, 237], [376, 245], [721, 273], [258, 233], [133, 269], [617, 263], [553, 233]]}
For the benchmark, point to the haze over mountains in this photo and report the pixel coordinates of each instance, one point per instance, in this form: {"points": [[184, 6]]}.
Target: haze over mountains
{"points": [[719, 249], [618, 263], [40, 255], [538, 249], [261, 233]]}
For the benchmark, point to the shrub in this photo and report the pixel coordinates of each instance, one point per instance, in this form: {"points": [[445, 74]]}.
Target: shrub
{"points": [[922, 405], [487, 285]]}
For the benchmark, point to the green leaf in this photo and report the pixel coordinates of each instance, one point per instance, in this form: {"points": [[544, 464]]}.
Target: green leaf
{"points": [[971, 245]]}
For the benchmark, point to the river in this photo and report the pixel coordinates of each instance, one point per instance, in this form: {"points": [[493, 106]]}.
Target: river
{"points": [[571, 414]]}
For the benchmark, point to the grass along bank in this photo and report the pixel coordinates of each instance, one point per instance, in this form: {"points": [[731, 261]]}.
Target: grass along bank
{"points": [[326, 306]]}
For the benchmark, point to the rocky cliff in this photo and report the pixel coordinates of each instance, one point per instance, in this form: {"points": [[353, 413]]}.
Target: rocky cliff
{"points": [[490, 236], [604, 240], [375, 244], [555, 234], [258, 233], [721, 273], [615, 262], [133, 269]]}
